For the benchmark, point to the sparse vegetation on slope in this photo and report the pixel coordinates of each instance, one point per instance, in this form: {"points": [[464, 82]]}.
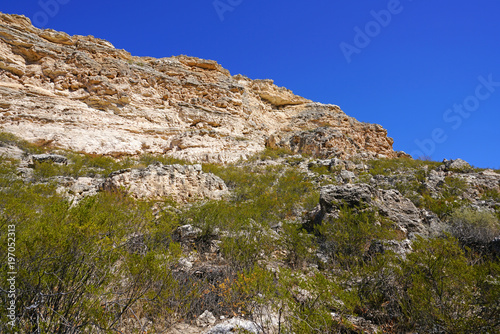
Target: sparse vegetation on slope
{"points": [[267, 251]]}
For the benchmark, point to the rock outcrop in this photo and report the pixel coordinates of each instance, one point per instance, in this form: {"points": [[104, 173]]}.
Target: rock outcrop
{"points": [[82, 94], [389, 203], [182, 183]]}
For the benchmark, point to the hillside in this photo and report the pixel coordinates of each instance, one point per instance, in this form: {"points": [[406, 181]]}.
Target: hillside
{"points": [[143, 195], [80, 93]]}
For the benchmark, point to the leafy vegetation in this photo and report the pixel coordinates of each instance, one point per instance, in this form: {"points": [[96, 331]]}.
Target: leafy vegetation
{"points": [[474, 228], [110, 260], [346, 239], [392, 166], [7, 138]]}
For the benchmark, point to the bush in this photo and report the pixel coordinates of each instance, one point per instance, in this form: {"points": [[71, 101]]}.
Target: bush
{"points": [[347, 238], [299, 245], [474, 228], [245, 245], [271, 154], [76, 269], [440, 294], [491, 194], [441, 206], [392, 166], [454, 187], [7, 138]]}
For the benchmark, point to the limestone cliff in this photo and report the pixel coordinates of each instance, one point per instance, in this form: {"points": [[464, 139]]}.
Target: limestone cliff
{"points": [[81, 93]]}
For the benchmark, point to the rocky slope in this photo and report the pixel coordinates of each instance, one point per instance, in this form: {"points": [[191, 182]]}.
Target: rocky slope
{"points": [[287, 214], [80, 93], [339, 239]]}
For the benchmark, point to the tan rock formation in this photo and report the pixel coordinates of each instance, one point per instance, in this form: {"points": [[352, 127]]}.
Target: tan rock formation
{"points": [[181, 183], [80, 93]]}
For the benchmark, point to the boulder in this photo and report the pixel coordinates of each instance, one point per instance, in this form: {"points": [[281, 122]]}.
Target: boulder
{"points": [[333, 197], [401, 210], [347, 176], [233, 326], [181, 183], [186, 233], [388, 203], [457, 165], [55, 158], [205, 319]]}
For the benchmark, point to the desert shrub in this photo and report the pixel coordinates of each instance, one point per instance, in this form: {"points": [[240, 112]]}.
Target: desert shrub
{"points": [[271, 154], [346, 239], [250, 290], [81, 165], [268, 194], [310, 302], [440, 290], [7, 138], [262, 198], [441, 206], [491, 194], [321, 169], [76, 269], [474, 228], [298, 243], [149, 159], [377, 288], [247, 244], [448, 200], [454, 187], [302, 304], [7, 173], [93, 165], [392, 166]]}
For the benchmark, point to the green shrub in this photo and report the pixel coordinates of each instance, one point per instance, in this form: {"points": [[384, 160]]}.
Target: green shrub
{"points": [[70, 258], [7, 138], [149, 159], [491, 194], [268, 194], [442, 207], [474, 228], [392, 166], [245, 246], [271, 154], [347, 238], [92, 165], [454, 187], [377, 288], [298, 243], [440, 292]]}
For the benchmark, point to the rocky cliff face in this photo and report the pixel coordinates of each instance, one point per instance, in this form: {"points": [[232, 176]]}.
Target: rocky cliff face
{"points": [[80, 93]]}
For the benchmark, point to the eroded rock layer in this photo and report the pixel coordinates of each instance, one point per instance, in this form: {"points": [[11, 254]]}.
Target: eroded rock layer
{"points": [[81, 93]]}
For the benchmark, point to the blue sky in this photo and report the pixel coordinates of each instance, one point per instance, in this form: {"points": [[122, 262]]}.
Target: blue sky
{"points": [[429, 72]]}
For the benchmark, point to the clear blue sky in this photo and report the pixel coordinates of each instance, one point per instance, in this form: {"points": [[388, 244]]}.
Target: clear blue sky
{"points": [[429, 72]]}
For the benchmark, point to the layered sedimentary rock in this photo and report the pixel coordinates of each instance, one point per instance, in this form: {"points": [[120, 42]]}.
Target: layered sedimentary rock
{"points": [[81, 93], [389, 203], [181, 183]]}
